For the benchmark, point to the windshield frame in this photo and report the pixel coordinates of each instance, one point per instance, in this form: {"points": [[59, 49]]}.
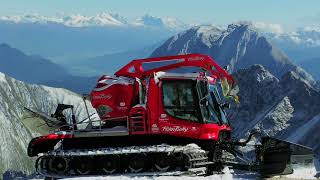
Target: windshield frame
{"points": [[217, 101], [211, 110]]}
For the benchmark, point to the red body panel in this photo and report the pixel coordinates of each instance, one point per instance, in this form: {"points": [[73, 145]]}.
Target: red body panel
{"points": [[113, 97]]}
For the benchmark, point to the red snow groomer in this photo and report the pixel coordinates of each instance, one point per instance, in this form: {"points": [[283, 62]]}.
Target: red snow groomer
{"points": [[160, 115]]}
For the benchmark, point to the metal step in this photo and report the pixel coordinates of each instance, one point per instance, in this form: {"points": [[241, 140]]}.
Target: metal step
{"points": [[198, 159], [202, 164]]}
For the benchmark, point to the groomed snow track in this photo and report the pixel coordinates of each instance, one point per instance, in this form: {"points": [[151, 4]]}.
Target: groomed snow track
{"points": [[189, 159]]}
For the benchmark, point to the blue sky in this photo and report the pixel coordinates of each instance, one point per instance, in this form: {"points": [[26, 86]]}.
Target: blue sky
{"points": [[289, 13]]}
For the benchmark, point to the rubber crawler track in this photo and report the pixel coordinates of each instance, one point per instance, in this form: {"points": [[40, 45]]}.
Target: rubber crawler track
{"points": [[189, 159]]}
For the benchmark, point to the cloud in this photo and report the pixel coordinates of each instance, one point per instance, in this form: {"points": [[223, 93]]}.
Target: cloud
{"points": [[312, 20], [269, 27], [315, 28]]}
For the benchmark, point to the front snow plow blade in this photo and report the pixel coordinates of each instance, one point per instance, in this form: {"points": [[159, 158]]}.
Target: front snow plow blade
{"points": [[277, 156], [270, 157]]}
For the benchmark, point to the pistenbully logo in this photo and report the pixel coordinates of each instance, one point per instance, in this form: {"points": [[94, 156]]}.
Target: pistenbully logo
{"points": [[175, 129]]}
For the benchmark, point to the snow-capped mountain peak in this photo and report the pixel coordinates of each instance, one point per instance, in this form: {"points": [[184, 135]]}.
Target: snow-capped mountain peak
{"points": [[102, 19], [174, 23], [109, 18], [148, 20], [208, 34]]}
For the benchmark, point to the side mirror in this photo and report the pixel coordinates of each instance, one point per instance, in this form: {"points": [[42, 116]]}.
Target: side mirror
{"points": [[204, 102], [226, 106], [226, 68]]}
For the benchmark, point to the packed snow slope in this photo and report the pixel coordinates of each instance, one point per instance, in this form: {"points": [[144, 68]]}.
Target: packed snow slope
{"points": [[14, 96]]}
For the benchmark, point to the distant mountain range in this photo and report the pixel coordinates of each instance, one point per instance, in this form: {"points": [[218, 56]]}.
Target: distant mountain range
{"points": [[108, 63], [30, 69], [304, 37], [72, 37], [301, 46], [101, 19], [35, 69]]}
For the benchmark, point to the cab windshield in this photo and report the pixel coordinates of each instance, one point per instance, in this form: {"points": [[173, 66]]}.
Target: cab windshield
{"points": [[193, 100], [180, 99]]}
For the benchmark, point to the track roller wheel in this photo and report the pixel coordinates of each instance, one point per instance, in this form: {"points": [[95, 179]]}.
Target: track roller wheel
{"points": [[58, 165], [138, 163], [162, 162], [185, 161], [42, 163], [83, 166], [110, 164]]}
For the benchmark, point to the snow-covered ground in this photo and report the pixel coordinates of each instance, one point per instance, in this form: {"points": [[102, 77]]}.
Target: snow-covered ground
{"points": [[299, 173], [303, 173], [225, 176]]}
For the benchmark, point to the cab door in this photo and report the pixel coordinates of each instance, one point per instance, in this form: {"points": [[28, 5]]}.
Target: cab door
{"points": [[179, 112]]}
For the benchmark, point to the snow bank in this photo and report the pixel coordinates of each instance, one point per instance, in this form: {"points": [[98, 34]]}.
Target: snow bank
{"points": [[2, 77], [307, 172], [225, 176]]}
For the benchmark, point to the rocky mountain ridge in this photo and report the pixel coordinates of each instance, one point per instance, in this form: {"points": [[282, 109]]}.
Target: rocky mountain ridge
{"points": [[287, 108]]}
